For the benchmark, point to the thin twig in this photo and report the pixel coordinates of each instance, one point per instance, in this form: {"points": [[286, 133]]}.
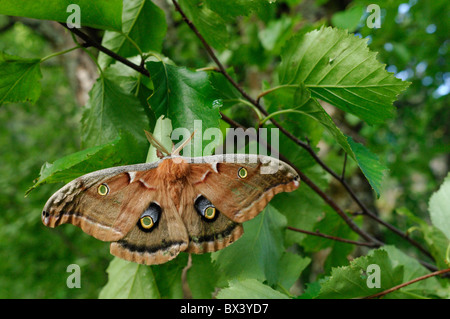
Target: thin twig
{"points": [[316, 233], [385, 292]]}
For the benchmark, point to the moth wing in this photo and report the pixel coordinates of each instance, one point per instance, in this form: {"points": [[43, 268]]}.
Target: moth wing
{"points": [[158, 244], [206, 234], [240, 186], [105, 212]]}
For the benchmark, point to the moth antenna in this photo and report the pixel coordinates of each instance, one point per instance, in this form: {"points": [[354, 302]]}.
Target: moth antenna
{"points": [[178, 150], [159, 147]]}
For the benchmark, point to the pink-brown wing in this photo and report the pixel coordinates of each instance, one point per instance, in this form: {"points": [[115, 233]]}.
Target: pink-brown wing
{"points": [[242, 196], [105, 204]]}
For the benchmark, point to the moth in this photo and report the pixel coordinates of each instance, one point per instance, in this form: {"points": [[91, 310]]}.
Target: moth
{"points": [[153, 211]]}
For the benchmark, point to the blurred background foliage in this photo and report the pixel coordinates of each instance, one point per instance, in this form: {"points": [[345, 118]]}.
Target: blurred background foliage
{"points": [[412, 42]]}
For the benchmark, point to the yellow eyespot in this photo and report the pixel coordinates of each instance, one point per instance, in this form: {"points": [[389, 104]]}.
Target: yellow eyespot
{"points": [[210, 212], [103, 189], [147, 222], [242, 173]]}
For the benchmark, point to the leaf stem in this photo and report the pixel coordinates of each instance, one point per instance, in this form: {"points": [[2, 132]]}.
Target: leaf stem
{"points": [[278, 113], [133, 43], [60, 53], [84, 47], [262, 94], [255, 109]]}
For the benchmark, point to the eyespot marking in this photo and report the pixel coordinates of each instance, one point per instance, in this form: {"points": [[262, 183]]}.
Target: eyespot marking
{"points": [[210, 212], [242, 173], [103, 189], [150, 217], [147, 222], [205, 208]]}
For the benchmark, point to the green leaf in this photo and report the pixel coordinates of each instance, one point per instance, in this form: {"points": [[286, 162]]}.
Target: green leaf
{"points": [[348, 19], [168, 277], [129, 79], [210, 25], [301, 207], [257, 252], [312, 290], [435, 239], [230, 9], [339, 68], [304, 110], [351, 281], [133, 82], [202, 276], [297, 99], [438, 244], [129, 280], [314, 110], [439, 207], [331, 224], [227, 94], [275, 35], [109, 111], [123, 150], [292, 100], [394, 268], [183, 96], [249, 289], [369, 164], [144, 23], [290, 268], [19, 79], [429, 287], [96, 14]]}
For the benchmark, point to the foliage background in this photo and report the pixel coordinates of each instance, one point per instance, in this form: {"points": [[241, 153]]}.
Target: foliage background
{"points": [[414, 146]]}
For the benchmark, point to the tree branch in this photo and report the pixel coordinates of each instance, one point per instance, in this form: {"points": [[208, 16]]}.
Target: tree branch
{"points": [[385, 292], [91, 42]]}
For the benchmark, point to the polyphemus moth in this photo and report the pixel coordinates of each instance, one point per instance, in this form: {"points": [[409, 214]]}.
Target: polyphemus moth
{"points": [[151, 212]]}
